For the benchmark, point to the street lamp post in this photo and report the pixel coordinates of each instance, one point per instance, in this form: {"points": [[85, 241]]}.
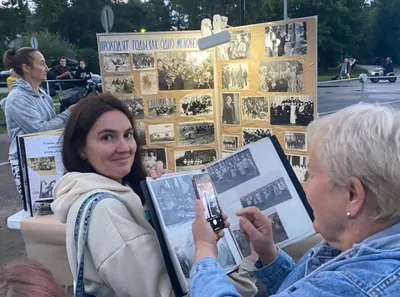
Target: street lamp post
{"points": [[242, 8], [285, 16]]}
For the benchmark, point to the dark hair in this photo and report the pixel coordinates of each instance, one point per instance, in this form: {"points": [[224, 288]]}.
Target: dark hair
{"points": [[16, 58], [82, 118], [63, 58]]}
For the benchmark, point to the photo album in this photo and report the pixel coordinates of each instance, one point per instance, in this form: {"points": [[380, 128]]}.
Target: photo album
{"points": [[259, 175]]}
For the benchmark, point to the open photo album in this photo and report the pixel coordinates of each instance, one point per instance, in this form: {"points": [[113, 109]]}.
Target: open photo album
{"points": [[259, 175]]}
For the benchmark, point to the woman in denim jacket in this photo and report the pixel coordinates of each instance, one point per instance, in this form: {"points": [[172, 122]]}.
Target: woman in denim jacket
{"points": [[353, 187]]}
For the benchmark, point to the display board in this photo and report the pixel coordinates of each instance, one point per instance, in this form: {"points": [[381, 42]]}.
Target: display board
{"points": [[192, 107]]}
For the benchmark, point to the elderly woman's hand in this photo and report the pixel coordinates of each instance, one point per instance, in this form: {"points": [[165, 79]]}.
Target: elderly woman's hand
{"points": [[158, 170], [204, 237], [258, 229]]}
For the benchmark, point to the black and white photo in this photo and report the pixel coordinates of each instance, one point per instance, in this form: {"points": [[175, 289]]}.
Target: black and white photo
{"points": [[296, 141], [238, 48], [42, 207], [194, 160], [251, 135], [230, 109], [235, 76], [121, 84], [292, 110], [254, 108], [267, 196], [140, 133], [150, 157], [281, 76], [197, 105], [230, 142], [242, 241], [116, 63], [148, 83], [46, 188], [161, 133], [278, 230], [233, 171], [225, 154], [143, 61], [135, 106], [196, 133], [286, 40], [162, 108], [43, 165], [185, 70], [299, 165]]}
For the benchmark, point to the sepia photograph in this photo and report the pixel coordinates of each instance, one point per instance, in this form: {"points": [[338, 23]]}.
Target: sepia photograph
{"points": [[140, 133], [143, 61], [254, 108], [196, 133], [42, 207], [43, 165], [160, 108], [161, 133], [135, 106], [296, 141], [267, 196], [185, 70], [116, 63], [150, 157], [242, 241], [148, 83], [230, 142], [233, 171], [230, 109], [46, 189], [238, 48], [251, 135], [194, 160], [281, 76], [299, 165], [286, 40], [292, 110], [278, 231], [119, 84], [235, 76], [197, 105]]}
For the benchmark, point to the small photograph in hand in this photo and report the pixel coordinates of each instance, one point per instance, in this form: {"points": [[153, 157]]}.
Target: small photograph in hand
{"points": [[242, 241], [278, 231]]}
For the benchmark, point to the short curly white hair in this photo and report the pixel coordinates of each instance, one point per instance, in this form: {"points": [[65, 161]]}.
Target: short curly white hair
{"points": [[362, 141]]}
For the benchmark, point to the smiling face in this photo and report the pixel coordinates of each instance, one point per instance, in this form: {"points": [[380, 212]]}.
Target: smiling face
{"points": [[110, 145]]}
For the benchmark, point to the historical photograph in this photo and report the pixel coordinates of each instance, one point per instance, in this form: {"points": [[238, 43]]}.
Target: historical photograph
{"points": [[43, 165], [254, 108], [148, 83], [292, 110], [161, 133], [175, 198], [296, 141], [281, 76], [286, 40], [143, 61], [116, 63], [185, 70], [230, 109], [119, 84], [42, 207], [238, 48], [226, 154], [162, 108], [268, 196], [46, 188], [197, 105], [278, 231], [140, 133], [135, 106], [230, 142], [235, 76], [194, 160], [242, 241], [150, 157], [251, 135], [299, 165], [196, 133], [233, 171]]}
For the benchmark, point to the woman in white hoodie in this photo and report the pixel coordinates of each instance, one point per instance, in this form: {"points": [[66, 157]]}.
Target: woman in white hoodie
{"points": [[122, 254]]}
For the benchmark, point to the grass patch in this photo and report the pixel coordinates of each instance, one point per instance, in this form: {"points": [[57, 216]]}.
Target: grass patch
{"points": [[333, 71]]}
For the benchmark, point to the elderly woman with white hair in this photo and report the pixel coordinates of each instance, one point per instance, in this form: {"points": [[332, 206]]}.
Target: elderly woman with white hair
{"points": [[353, 187]]}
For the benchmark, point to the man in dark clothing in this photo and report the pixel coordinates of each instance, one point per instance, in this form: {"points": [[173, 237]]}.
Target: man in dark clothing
{"points": [[388, 66], [62, 71], [82, 72]]}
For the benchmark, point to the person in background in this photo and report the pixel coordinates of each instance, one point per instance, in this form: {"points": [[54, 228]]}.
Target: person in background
{"points": [[28, 108], [12, 78], [62, 71], [388, 66], [353, 188], [28, 278], [345, 69], [82, 72]]}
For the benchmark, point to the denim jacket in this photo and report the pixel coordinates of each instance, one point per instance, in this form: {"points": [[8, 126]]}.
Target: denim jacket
{"points": [[369, 269]]}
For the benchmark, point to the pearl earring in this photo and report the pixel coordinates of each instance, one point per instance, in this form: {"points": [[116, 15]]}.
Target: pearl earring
{"points": [[348, 214]]}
